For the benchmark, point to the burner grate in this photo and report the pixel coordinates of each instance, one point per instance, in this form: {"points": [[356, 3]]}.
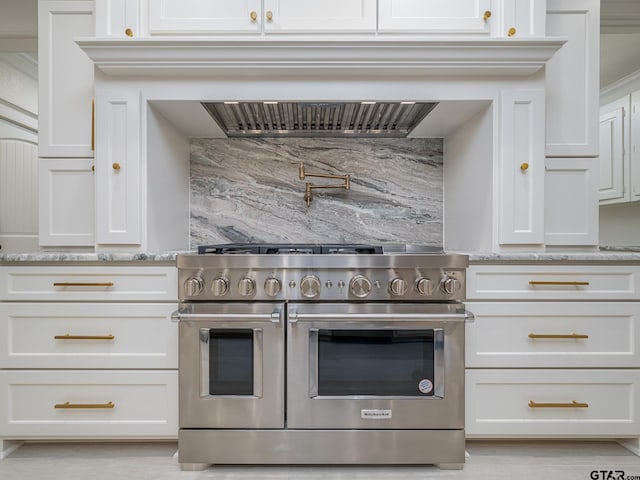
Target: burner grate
{"points": [[293, 248]]}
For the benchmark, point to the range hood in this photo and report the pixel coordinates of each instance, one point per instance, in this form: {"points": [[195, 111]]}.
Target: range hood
{"points": [[326, 119]]}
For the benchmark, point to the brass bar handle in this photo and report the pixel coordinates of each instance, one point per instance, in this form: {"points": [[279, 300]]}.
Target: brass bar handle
{"points": [[487, 15], [84, 337], [84, 405], [570, 284], [83, 284], [572, 404], [576, 336]]}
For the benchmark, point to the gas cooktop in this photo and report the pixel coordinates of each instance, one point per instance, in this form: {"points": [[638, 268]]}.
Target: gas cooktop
{"points": [[313, 248]]}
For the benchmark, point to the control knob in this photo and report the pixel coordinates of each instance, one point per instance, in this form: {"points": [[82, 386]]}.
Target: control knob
{"points": [[424, 286], [398, 286], [246, 287], [272, 286], [219, 286], [193, 286], [450, 285], [360, 286], [310, 286]]}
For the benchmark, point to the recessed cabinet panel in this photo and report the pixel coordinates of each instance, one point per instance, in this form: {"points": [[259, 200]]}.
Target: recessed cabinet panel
{"points": [[212, 16], [290, 16], [117, 18], [66, 213], [612, 153], [522, 167], [434, 16], [523, 18], [65, 79], [635, 147], [572, 79], [118, 188], [571, 201]]}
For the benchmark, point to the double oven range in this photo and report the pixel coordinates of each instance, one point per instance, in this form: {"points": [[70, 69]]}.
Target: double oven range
{"points": [[321, 354]]}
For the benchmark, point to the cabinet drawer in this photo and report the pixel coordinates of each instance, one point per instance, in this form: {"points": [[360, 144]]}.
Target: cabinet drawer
{"points": [[98, 404], [498, 403], [100, 335], [552, 334], [89, 283], [559, 282]]}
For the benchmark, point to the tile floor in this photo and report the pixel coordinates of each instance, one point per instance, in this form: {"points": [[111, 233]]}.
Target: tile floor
{"points": [[157, 461]]}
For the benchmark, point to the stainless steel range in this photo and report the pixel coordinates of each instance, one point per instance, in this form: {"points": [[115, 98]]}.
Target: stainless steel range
{"points": [[321, 354]]}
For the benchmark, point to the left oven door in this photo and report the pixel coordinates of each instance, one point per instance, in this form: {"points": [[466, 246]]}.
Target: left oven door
{"points": [[231, 367]]}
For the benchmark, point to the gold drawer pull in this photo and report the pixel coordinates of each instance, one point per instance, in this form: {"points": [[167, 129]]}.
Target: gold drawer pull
{"points": [[84, 337], [487, 15], [83, 284], [511, 32], [554, 335], [573, 404], [84, 405], [533, 283]]}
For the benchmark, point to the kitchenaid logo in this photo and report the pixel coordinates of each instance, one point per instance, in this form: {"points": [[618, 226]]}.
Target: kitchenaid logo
{"points": [[375, 414]]}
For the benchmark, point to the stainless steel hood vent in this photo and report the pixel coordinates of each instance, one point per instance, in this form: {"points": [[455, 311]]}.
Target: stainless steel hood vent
{"points": [[326, 119]]}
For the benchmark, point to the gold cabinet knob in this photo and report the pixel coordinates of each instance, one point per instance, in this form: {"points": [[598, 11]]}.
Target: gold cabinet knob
{"points": [[128, 32], [511, 32], [116, 166], [253, 15], [524, 166], [487, 15], [93, 168], [269, 15]]}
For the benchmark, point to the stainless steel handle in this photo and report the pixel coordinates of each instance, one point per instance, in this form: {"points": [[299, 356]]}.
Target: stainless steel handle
{"points": [[181, 315], [294, 316]]}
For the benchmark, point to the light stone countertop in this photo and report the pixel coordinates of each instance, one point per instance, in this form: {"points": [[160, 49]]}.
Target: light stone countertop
{"points": [[605, 254]]}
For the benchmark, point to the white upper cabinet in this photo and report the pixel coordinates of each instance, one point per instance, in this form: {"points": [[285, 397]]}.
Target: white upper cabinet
{"points": [[435, 16], [522, 18], [117, 18], [294, 16], [65, 79], [634, 158], [572, 78], [198, 17]]}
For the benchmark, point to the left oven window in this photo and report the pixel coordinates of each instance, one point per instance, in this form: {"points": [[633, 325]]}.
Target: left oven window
{"points": [[231, 362]]}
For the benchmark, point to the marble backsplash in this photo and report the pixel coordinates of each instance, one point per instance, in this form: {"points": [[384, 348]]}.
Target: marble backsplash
{"points": [[248, 190]]}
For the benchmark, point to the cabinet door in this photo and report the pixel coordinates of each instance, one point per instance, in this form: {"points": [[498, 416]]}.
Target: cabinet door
{"points": [[291, 16], [435, 16], [612, 156], [66, 213], [523, 18], [118, 169], [571, 201], [522, 167], [65, 79], [634, 158], [572, 77], [198, 17], [117, 18]]}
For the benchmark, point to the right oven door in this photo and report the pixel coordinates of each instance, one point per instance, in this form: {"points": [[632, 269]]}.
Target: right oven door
{"points": [[378, 366]]}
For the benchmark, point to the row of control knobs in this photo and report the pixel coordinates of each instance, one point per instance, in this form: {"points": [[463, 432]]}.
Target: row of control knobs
{"points": [[359, 286]]}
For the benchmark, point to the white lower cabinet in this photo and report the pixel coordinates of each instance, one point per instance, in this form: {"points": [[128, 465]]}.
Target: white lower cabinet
{"points": [[552, 403], [96, 404], [553, 351], [88, 351]]}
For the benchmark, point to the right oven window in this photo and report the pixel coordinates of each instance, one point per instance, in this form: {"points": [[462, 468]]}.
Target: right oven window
{"points": [[378, 362]]}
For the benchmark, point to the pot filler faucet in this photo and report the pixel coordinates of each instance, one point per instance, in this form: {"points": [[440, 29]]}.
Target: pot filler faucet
{"points": [[308, 194]]}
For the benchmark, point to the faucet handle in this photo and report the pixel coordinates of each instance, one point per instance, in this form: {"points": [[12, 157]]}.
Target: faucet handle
{"points": [[301, 173]]}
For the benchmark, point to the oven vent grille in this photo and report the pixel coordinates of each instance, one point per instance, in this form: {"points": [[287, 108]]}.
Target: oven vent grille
{"points": [[330, 119]]}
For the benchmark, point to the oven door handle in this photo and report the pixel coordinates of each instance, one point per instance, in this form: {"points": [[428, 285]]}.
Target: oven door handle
{"points": [[294, 316], [182, 315]]}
